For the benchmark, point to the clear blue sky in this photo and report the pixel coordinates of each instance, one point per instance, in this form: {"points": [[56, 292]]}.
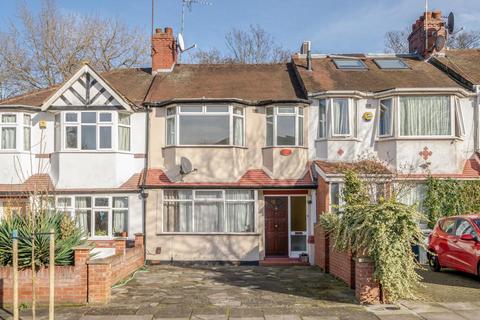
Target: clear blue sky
{"points": [[333, 26]]}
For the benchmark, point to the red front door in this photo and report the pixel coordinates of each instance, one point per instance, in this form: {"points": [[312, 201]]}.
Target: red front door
{"points": [[276, 226]]}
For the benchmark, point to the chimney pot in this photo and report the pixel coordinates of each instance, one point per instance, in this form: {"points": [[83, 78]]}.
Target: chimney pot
{"points": [[164, 50], [169, 31], [158, 30], [437, 14]]}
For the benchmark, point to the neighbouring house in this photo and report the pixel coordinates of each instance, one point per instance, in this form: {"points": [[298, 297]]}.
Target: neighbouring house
{"points": [[82, 143]]}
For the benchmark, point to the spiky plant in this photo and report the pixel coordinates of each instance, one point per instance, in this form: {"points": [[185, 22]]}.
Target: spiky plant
{"points": [[67, 236]]}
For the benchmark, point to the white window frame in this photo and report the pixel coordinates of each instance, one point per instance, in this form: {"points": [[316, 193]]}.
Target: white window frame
{"points": [[452, 121], [299, 116], [98, 124], [15, 125], [223, 200], [329, 119], [392, 116], [341, 185], [349, 116], [178, 113], [128, 126], [324, 121]]}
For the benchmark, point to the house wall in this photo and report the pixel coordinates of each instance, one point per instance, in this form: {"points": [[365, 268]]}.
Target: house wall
{"points": [[226, 163]]}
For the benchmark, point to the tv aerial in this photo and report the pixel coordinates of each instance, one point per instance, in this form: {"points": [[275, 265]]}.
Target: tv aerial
{"points": [[181, 44], [188, 4]]}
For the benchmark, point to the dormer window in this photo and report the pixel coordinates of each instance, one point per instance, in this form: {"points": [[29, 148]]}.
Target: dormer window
{"points": [[350, 64], [211, 125]]}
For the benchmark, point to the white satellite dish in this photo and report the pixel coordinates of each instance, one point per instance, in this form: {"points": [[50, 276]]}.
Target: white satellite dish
{"points": [[185, 166], [181, 42]]}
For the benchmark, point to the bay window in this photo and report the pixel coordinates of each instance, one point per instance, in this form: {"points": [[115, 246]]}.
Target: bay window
{"points": [[217, 211], [205, 125], [97, 216], [425, 116], [334, 118], [385, 122], [341, 117], [8, 132], [27, 132], [284, 126], [322, 119], [124, 132]]}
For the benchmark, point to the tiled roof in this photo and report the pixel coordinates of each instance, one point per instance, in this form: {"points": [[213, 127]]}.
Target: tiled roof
{"points": [[255, 178], [327, 77], [249, 82], [132, 83], [365, 166], [465, 62], [37, 182]]}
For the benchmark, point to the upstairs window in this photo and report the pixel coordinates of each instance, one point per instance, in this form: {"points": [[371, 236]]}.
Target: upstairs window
{"points": [[205, 125], [350, 64], [425, 116], [335, 118], [390, 63], [8, 132], [341, 117], [124, 132], [284, 126], [386, 118], [322, 119], [27, 132]]}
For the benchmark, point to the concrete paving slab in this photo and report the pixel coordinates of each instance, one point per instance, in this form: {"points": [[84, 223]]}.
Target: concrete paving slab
{"points": [[440, 316], [470, 314], [118, 317]]}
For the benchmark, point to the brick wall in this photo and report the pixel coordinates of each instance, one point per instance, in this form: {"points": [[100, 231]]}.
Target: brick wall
{"points": [[321, 248], [367, 290], [341, 265], [86, 281]]}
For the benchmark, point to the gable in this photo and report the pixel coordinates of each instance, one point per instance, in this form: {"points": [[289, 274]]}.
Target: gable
{"points": [[86, 89]]}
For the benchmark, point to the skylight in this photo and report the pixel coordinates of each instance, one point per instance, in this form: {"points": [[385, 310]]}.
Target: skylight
{"points": [[391, 64], [350, 64]]}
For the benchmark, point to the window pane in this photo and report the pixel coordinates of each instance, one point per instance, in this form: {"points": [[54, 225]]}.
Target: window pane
{"points": [[89, 137], [120, 222], [89, 117], [349, 64], [385, 117], [209, 217], [124, 138], [286, 130], [286, 110], [300, 111], [208, 195], [9, 118], [64, 202], [341, 123], [27, 119], [269, 131], [177, 194], [217, 109], [298, 243], [71, 117], [300, 131], [238, 110], [238, 131], [101, 202], [204, 130], [83, 202], [239, 194], [105, 137], [57, 133], [120, 202], [26, 138], [84, 221], [71, 137], [334, 197], [240, 217], [298, 214], [171, 111], [124, 119], [9, 138], [105, 117], [177, 217], [425, 116], [101, 223], [171, 131], [191, 109], [322, 118], [391, 64]]}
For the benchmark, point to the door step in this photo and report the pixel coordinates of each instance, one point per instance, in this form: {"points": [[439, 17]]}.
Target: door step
{"points": [[282, 262]]}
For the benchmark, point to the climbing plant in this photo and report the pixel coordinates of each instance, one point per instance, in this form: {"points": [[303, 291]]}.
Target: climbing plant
{"points": [[448, 197], [384, 230]]}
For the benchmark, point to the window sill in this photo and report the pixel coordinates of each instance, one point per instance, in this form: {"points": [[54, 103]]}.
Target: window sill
{"points": [[285, 147], [337, 139], [417, 138], [207, 233], [94, 151], [205, 146]]}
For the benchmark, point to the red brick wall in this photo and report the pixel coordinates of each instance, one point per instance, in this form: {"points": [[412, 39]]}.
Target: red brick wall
{"points": [[86, 281], [367, 290], [321, 248], [342, 265], [164, 49], [323, 196]]}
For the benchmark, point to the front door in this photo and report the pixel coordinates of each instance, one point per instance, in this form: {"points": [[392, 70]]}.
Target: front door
{"points": [[276, 226]]}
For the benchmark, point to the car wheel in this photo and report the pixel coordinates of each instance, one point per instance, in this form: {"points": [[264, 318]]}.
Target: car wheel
{"points": [[434, 263]]}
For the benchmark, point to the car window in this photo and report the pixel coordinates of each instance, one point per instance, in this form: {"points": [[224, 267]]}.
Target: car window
{"points": [[477, 222], [448, 226], [464, 227]]}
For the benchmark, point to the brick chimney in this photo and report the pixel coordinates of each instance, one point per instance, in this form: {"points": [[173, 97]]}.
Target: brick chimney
{"points": [[433, 29], [164, 50]]}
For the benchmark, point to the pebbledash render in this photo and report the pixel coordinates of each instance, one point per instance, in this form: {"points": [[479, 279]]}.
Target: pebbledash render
{"points": [[235, 162]]}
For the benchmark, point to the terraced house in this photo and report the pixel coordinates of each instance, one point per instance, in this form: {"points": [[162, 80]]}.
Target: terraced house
{"points": [[235, 162]]}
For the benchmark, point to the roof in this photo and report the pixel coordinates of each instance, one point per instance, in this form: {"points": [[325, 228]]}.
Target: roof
{"points": [[363, 166], [254, 178], [464, 62], [132, 83], [327, 77], [252, 83]]}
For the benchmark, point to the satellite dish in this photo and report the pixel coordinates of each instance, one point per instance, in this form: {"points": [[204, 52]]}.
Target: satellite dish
{"points": [[185, 166], [439, 43], [181, 43], [451, 23]]}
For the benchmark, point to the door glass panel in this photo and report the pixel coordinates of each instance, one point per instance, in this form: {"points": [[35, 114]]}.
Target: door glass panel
{"points": [[298, 243], [298, 224]]}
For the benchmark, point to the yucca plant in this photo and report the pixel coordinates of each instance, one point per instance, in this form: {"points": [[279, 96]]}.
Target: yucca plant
{"points": [[67, 236]]}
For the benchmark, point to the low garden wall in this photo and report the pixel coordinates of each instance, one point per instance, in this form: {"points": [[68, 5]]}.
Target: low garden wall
{"points": [[356, 272], [87, 281]]}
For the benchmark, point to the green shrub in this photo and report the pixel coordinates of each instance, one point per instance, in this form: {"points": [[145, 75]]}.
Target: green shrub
{"points": [[67, 236]]}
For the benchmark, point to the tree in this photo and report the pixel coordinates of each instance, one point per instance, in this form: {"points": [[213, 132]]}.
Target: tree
{"points": [[397, 41], [252, 46], [46, 48]]}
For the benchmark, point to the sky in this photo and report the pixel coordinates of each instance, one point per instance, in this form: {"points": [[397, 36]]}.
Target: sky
{"points": [[333, 26]]}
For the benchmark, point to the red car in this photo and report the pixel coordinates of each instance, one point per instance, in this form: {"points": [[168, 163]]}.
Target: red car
{"points": [[455, 242]]}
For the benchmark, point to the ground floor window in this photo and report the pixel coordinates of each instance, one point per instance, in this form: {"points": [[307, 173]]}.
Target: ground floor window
{"points": [[97, 216], [209, 211]]}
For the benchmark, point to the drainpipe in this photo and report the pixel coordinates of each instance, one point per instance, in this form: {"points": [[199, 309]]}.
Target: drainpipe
{"points": [[143, 193]]}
